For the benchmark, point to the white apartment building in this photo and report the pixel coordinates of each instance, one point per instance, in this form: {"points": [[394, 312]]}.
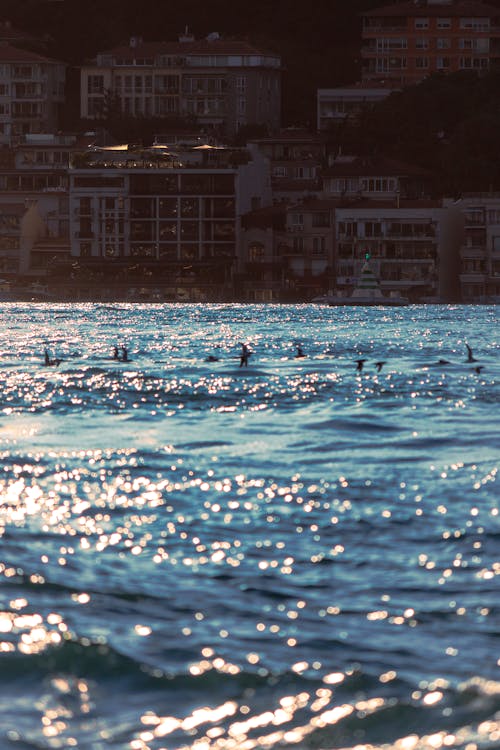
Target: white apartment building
{"points": [[220, 83], [413, 248], [31, 93]]}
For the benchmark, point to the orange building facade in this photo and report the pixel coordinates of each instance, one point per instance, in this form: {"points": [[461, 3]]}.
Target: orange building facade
{"points": [[405, 42]]}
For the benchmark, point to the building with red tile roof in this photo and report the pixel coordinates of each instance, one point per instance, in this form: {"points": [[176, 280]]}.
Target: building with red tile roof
{"points": [[223, 84]]}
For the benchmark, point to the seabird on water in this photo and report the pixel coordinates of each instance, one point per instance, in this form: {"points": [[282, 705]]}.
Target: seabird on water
{"points": [[470, 358], [360, 363]]}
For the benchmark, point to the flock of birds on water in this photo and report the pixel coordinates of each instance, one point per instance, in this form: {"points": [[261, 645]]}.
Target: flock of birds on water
{"points": [[120, 354]]}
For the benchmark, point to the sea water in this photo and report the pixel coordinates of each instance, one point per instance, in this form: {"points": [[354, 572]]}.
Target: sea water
{"points": [[293, 554]]}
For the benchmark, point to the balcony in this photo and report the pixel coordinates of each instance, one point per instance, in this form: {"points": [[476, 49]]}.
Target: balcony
{"points": [[368, 31], [472, 277], [473, 251]]}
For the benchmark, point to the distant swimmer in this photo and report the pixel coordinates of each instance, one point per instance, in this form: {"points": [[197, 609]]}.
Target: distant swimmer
{"points": [[470, 358], [359, 364], [379, 365], [48, 362], [300, 352], [245, 354]]}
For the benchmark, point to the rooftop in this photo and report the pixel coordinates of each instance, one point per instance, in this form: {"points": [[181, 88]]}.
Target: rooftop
{"points": [[467, 8], [137, 48], [16, 54]]}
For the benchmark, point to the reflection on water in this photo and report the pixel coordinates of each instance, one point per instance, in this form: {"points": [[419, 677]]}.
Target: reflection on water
{"points": [[293, 554]]}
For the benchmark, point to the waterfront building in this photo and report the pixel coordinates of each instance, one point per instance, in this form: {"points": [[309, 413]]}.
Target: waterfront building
{"points": [[222, 84], [480, 246], [34, 220], [413, 248], [31, 93], [307, 246], [262, 276], [403, 43], [155, 219], [320, 245]]}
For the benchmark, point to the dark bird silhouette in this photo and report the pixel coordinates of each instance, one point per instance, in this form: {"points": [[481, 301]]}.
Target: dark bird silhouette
{"points": [[379, 365], [211, 358], [478, 369], [470, 358], [443, 362], [359, 364], [300, 352], [48, 362], [245, 354]]}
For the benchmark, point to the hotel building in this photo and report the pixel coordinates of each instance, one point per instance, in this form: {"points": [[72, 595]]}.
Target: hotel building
{"points": [[171, 220]]}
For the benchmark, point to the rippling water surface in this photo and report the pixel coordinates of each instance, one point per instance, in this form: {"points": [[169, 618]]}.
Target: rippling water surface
{"points": [[289, 555]]}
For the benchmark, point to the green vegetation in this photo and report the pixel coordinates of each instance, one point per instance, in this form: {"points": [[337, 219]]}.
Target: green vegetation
{"points": [[448, 124]]}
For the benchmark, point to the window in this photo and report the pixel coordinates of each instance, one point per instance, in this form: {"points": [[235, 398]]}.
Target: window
{"points": [[373, 229], [23, 71], [442, 62], [298, 220], [422, 43], [421, 23], [241, 84], [384, 45], [476, 24], [256, 251], [319, 245], [298, 244], [444, 23], [422, 62], [348, 228], [321, 219], [443, 43], [95, 84]]}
